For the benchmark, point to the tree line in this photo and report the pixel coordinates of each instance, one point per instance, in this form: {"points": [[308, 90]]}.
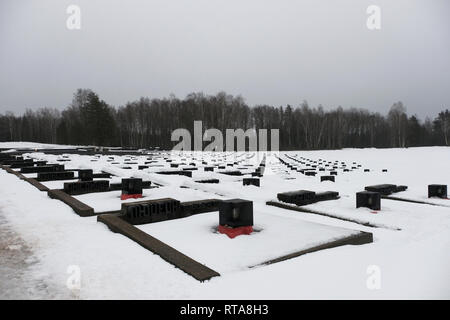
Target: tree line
{"points": [[147, 123]]}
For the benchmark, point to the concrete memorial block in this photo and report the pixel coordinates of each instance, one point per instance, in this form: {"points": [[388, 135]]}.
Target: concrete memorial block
{"points": [[385, 189], [19, 163], [327, 195], [327, 178], [236, 213], [437, 190], [232, 173], [118, 186], [131, 188], [368, 199], [115, 186], [151, 211], [300, 197], [189, 208], [82, 187], [49, 168], [86, 175], [49, 176], [7, 161], [208, 181], [260, 170], [400, 188], [79, 207], [251, 181], [102, 175], [4, 157], [186, 173]]}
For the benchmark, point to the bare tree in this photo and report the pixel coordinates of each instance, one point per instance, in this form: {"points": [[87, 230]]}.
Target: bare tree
{"points": [[398, 120]]}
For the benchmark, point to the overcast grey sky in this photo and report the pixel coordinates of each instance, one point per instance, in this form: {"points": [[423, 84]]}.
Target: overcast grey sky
{"points": [[274, 52]]}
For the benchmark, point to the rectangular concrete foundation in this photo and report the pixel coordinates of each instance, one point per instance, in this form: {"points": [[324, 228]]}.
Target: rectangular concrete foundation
{"points": [[166, 252], [36, 184], [325, 214], [79, 207], [358, 239]]}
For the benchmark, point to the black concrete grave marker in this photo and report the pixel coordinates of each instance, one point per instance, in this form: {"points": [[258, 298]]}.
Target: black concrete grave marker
{"points": [[251, 181], [199, 206], [327, 195], [208, 181], [50, 176], [86, 175], [82, 187], [368, 199], [300, 197], [232, 173], [327, 178], [236, 213], [132, 186], [49, 168], [437, 190], [386, 189], [151, 211]]}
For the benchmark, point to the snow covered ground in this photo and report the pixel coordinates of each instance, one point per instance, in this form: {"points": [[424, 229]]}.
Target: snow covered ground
{"points": [[41, 238]]}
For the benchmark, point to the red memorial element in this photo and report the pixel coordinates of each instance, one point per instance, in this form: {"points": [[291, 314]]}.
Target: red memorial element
{"points": [[234, 232], [130, 196]]}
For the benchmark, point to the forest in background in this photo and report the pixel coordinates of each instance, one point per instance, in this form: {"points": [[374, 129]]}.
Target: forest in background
{"points": [[148, 123]]}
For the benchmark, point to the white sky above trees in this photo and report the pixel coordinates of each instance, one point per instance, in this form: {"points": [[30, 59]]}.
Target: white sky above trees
{"points": [[271, 52]]}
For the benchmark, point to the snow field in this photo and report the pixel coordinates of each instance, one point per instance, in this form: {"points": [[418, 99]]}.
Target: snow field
{"points": [[414, 262]]}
